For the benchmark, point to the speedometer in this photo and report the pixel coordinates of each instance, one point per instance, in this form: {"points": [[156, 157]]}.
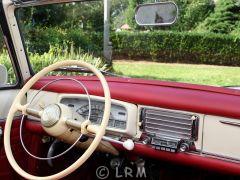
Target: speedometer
{"points": [[97, 111], [80, 109]]}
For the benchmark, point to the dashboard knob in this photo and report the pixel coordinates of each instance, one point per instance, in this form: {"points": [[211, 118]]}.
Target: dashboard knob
{"points": [[146, 140], [128, 144], [184, 147]]}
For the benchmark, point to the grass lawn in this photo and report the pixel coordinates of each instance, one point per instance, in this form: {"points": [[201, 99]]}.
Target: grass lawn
{"points": [[196, 74]]}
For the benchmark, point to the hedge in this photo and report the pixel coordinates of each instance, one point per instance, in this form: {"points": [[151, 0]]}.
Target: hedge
{"points": [[174, 47], [160, 46]]}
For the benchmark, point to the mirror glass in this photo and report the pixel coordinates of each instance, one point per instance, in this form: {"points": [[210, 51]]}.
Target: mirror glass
{"points": [[156, 14]]}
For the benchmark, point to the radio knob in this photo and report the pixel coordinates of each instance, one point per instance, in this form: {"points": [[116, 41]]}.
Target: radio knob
{"points": [[184, 147], [147, 140]]}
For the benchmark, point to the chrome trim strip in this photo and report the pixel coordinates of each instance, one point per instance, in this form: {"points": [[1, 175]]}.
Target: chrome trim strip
{"points": [[1, 133], [230, 123], [221, 157]]}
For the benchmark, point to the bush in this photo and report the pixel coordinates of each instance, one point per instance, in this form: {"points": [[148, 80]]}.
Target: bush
{"points": [[5, 60], [40, 40], [55, 54], [185, 47]]}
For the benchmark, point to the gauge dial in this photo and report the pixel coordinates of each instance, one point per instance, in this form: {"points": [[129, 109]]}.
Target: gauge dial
{"points": [[80, 109], [96, 113]]}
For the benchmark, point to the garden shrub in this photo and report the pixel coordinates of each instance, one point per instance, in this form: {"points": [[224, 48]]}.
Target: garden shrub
{"points": [[40, 40], [161, 46], [184, 47]]}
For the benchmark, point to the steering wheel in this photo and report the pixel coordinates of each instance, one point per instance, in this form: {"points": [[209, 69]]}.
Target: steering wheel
{"points": [[58, 123]]}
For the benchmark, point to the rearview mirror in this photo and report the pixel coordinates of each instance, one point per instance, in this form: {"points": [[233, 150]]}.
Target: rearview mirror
{"points": [[156, 14], [3, 75]]}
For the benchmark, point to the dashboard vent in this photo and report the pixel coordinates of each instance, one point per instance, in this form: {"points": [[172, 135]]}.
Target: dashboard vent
{"points": [[169, 124]]}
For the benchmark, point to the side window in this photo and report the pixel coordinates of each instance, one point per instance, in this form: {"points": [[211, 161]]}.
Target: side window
{"points": [[7, 73]]}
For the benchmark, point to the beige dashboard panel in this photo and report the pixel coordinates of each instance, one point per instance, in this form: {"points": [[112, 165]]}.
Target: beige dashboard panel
{"points": [[45, 98], [131, 109], [221, 137], [41, 100]]}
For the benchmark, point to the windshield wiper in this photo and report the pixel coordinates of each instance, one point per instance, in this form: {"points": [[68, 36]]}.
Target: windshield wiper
{"points": [[85, 70]]}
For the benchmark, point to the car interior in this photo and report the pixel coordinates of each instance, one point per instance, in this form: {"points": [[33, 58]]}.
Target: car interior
{"points": [[97, 125]]}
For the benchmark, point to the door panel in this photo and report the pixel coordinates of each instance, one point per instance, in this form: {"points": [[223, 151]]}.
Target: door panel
{"points": [[6, 97], [33, 143]]}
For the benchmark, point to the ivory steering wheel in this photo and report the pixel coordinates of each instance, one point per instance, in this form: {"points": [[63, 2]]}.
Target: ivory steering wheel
{"points": [[60, 124]]}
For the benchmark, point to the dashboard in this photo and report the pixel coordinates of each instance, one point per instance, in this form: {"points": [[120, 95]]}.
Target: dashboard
{"points": [[212, 112], [159, 128]]}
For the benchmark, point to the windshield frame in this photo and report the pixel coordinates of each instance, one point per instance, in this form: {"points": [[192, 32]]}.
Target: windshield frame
{"points": [[49, 2]]}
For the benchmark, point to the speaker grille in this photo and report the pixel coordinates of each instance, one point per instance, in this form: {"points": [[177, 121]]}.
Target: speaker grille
{"points": [[171, 124]]}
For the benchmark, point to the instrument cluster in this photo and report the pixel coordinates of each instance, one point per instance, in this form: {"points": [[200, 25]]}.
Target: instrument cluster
{"points": [[80, 108]]}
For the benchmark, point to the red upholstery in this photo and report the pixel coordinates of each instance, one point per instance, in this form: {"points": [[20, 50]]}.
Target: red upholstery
{"points": [[32, 141]]}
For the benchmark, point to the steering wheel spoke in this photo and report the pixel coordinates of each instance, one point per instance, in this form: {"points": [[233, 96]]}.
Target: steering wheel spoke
{"points": [[20, 107], [25, 110], [74, 124], [34, 112], [92, 128], [85, 127]]}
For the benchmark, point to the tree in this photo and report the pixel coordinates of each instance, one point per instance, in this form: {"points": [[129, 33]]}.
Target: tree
{"points": [[196, 12], [88, 15], [224, 19]]}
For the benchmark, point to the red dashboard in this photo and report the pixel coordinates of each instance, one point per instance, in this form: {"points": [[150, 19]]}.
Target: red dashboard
{"points": [[194, 98], [179, 96]]}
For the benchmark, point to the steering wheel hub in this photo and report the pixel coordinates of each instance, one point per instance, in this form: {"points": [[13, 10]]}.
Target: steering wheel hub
{"points": [[51, 115]]}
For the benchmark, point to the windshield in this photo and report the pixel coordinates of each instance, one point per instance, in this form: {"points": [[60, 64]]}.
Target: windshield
{"points": [[202, 47]]}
